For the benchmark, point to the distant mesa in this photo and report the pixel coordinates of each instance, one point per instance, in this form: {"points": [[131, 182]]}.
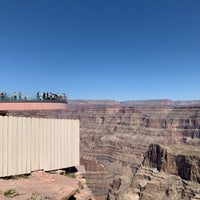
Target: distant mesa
{"points": [[136, 103]]}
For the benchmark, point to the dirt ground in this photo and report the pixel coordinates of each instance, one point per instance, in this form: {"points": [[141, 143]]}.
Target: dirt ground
{"points": [[38, 186], [102, 197]]}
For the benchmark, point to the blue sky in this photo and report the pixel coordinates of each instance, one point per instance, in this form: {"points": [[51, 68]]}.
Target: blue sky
{"points": [[101, 49]]}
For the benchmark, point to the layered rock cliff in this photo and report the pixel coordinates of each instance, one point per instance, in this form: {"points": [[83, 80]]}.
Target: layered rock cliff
{"points": [[170, 172], [150, 184], [180, 160], [115, 137]]}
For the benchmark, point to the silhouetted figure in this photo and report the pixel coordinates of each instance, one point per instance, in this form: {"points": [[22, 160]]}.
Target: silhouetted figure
{"points": [[64, 97], [1, 95], [15, 96], [20, 95], [44, 96], [47, 96], [38, 95], [50, 96]]}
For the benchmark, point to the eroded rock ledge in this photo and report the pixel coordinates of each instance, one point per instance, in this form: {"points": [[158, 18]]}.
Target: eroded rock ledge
{"points": [[40, 185], [167, 173], [150, 184], [181, 160]]}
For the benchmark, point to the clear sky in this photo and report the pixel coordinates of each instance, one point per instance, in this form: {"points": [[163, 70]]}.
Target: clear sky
{"points": [[101, 49]]}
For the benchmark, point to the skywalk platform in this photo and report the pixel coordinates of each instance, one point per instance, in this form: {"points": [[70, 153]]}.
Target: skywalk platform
{"points": [[32, 105]]}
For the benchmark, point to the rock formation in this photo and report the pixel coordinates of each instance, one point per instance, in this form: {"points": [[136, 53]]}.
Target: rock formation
{"points": [[40, 185], [180, 160], [170, 172], [115, 137], [150, 184]]}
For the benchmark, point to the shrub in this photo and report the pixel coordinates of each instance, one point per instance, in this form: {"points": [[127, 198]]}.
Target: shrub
{"points": [[11, 192], [71, 175]]}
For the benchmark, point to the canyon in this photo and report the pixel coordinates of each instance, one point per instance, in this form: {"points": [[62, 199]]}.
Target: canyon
{"points": [[137, 149], [115, 137]]}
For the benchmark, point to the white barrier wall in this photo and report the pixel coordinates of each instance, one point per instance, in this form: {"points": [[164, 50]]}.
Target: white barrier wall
{"points": [[28, 144]]}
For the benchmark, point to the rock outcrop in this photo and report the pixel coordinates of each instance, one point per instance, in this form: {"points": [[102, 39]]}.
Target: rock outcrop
{"points": [[180, 160], [40, 185], [150, 184], [170, 172]]}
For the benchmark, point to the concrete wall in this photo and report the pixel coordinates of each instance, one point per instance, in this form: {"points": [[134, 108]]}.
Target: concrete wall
{"points": [[28, 144]]}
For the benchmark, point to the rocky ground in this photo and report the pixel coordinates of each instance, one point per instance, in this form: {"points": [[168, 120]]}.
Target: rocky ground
{"points": [[41, 185]]}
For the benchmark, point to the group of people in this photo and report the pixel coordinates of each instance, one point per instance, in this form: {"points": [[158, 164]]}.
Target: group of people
{"points": [[40, 96], [4, 96], [19, 96], [51, 96]]}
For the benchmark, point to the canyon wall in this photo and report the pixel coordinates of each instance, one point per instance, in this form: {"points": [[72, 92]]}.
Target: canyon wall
{"points": [[115, 137], [170, 173], [181, 160]]}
